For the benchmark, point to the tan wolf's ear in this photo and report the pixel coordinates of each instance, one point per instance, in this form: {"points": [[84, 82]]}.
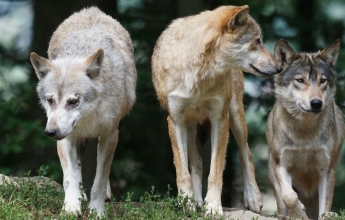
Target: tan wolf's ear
{"points": [[94, 64], [283, 52], [41, 65], [330, 54], [239, 18]]}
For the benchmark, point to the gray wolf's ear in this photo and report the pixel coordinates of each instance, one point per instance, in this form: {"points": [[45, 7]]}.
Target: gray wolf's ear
{"points": [[240, 17], [41, 65], [94, 64], [330, 54], [283, 52]]}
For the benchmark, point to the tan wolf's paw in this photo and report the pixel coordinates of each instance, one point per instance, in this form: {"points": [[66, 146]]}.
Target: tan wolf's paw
{"points": [[213, 205], [72, 208], [214, 210], [252, 199]]}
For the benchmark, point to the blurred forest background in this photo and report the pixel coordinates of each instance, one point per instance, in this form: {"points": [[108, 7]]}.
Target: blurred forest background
{"points": [[144, 157]]}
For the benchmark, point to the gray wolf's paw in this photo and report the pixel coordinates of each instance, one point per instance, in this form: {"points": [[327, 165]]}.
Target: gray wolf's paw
{"points": [[328, 216]]}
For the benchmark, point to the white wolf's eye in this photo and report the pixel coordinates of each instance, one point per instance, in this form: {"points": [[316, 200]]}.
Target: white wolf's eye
{"points": [[323, 80], [50, 101], [300, 80], [72, 101]]}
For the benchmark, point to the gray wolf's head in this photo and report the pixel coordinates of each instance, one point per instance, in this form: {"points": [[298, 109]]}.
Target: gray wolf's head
{"points": [[239, 41], [308, 81], [67, 90]]}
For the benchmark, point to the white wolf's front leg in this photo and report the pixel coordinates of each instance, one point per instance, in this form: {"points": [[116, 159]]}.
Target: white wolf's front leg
{"points": [[105, 153], [67, 152]]}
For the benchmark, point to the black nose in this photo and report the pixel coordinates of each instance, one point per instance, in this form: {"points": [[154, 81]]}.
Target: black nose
{"points": [[50, 132], [279, 68], [316, 104]]}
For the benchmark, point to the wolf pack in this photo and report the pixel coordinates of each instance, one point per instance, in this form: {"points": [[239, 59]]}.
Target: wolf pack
{"points": [[87, 85]]}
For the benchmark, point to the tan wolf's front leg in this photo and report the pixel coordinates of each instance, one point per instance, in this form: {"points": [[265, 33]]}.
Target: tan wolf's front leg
{"points": [[67, 152], [178, 137], [219, 140], [105, 153], [238, 126], [195, 164]]}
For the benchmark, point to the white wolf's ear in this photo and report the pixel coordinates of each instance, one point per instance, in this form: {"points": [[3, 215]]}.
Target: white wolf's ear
{"points": [[239, 18], [94, 64], [283, 52], [41, 65], [330, 54]]}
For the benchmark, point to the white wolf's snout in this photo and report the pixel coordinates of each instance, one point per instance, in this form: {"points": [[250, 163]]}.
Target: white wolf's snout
{"points": [[60, 126]]}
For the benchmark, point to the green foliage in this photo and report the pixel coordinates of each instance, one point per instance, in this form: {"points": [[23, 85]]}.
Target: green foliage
{"points": [[37, 198], [19, 132], [334, 216]]}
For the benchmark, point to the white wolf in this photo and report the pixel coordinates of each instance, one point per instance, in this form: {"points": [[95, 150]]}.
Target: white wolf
{"points": [[86, 87]]}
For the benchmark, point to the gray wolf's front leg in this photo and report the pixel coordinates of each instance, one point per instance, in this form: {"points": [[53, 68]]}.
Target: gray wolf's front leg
{"points": [[295, 208]]}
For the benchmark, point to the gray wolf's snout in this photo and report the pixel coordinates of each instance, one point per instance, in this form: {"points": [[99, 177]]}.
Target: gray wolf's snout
{"points": [[279, 68], [316, 104]]}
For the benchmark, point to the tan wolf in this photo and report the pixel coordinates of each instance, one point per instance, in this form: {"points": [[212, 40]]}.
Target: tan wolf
{"points": [[197, 69], [86, 87], [305, 131]]}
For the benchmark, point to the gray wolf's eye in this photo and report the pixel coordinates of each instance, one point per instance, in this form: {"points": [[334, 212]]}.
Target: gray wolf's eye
{"points": [[323, 80], [258, 41], [300, 80]]}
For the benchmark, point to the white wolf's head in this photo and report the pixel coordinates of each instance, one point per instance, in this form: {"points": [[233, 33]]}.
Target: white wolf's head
{"points": [[67, 90], [308, 81]]}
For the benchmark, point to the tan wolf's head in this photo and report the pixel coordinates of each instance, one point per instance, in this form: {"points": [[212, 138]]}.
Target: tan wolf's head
{"points": [[67, 90], [308, 81], [238, 39]]}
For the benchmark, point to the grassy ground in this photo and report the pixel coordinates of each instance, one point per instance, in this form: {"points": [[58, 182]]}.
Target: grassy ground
{"points": [[42, 198]]}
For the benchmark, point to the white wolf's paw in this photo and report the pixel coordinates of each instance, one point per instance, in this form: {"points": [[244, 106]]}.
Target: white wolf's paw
{"points": [[72, 208], [252, 199], [83, 197], [98, 207], [108, 193], [213, 205]]}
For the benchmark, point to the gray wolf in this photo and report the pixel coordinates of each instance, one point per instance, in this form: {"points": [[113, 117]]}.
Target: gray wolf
{"points": [[197, 67], [305, 131], [86, 87]]}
